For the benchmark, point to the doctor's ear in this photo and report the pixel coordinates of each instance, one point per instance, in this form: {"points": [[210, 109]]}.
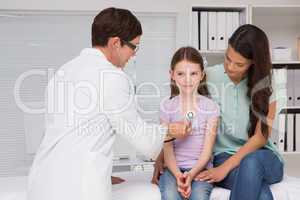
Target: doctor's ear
{"points": [[114, 42]]}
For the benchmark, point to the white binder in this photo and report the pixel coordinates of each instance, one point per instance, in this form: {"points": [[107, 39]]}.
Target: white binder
{"points": [[297, 132], [221, 31], [203, 30], [281, 131], [296, 87], [290, 88], [235, 21], [195, 28], [290, 132], [212, 30], [229, 24]]}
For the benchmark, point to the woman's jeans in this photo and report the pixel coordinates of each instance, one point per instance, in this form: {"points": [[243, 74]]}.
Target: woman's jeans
{"points": [[251, 179], [168, 188]]}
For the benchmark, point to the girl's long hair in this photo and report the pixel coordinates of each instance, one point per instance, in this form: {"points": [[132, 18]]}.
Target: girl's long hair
{"points": [[252, 43]]}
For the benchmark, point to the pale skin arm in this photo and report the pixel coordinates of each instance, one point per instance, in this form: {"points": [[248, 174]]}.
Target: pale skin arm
{"points": [[211, 133], [254, 143]]}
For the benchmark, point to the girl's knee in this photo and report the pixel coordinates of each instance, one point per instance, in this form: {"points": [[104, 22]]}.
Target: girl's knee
{"points": [[170, 193], [201, 191]]}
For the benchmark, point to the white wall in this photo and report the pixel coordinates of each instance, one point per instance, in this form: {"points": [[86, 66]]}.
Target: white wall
{"points": [[181, 7]]}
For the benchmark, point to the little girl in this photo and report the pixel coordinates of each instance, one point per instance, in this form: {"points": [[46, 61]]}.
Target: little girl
{"points": [[185, 158]]}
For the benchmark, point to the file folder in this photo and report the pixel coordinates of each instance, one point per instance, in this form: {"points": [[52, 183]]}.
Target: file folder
{"points": [[195, 29], [203, 30], [221, 31], [212, 30]]}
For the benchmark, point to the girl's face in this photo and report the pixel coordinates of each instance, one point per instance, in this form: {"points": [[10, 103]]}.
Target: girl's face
{"points": [[236, 66], [187, 76]]}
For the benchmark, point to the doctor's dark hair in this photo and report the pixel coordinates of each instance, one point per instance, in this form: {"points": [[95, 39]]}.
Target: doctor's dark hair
{"points": [[252, 43], [115, 22], [192, 55]]}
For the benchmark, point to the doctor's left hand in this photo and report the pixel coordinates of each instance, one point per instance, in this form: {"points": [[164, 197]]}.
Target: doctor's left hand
{"points": [[179, 129]]}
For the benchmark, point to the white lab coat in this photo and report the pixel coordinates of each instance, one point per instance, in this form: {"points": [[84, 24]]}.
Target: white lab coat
{"points": [[88, 101]]}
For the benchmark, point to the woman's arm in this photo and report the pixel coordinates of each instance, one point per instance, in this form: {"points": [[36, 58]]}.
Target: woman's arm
{"points": [[210, 137], [257, 141], [168, 154], [158, 168]]}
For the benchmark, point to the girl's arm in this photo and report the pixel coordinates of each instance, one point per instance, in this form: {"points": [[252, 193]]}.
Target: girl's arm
{"points": [[210, 137], [257, 141], [170, 159]]}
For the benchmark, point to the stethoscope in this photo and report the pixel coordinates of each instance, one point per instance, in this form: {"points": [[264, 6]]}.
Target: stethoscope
{"points": [[190, 115]]}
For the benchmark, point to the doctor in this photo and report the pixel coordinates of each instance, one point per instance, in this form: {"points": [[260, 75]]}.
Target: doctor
{"points": [[90, 100]]}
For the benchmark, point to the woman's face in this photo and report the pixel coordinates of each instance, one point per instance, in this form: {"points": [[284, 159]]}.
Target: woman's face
{"points": [[187, 76], [236, 66]]}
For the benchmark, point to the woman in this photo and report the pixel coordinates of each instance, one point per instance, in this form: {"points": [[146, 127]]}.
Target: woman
{"points": [[245, 161]]}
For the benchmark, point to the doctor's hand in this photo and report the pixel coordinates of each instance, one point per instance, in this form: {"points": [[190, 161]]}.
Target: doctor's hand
{"points": [[179, 129]]}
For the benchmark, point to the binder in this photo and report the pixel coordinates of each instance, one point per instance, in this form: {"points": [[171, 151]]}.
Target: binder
{"points": [[281, 131], [221, 31], [229, 25], [195, 28], [290, 87], [297, 131], [212, 30], [296, 87], [203, 30], [290, 132], [235, 21]]}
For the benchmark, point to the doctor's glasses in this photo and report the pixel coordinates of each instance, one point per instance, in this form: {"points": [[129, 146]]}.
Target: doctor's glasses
{"points": [[132, 46]]}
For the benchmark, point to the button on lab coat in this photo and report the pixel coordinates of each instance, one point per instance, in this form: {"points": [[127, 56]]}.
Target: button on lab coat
{"points": [[89, 102]]}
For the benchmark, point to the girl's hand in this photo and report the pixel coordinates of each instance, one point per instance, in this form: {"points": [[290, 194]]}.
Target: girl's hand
{"points": [[212, 175], [185, 188]]}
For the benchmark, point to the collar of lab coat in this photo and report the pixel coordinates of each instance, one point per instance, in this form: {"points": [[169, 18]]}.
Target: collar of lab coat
{"points": [[96, 52]]}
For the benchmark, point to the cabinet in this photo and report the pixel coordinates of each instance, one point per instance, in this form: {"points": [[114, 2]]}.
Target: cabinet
{"points": [[287, 134], [280, 22], [211, 26]]}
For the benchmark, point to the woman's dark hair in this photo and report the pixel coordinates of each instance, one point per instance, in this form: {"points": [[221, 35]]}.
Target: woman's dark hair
{"points": [[252, 43], [115, 22], [192, 55]]}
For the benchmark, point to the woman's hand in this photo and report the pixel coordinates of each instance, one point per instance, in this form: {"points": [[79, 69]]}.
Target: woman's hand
{"points": [[158, 170], [212, 175]]}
